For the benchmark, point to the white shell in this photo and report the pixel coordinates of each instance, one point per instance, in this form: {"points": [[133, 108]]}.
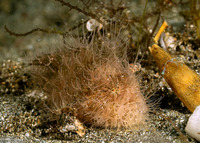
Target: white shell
{"points": [[193, 124], [92, 24]]}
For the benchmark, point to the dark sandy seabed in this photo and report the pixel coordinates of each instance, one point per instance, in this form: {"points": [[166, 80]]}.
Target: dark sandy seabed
{"points": [[20, 118]]}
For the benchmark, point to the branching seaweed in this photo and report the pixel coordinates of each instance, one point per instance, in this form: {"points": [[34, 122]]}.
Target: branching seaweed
{"points": [[32, 31]]}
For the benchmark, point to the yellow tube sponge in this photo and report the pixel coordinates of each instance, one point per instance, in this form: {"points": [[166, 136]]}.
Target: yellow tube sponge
{"points": [[184, 82]]}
